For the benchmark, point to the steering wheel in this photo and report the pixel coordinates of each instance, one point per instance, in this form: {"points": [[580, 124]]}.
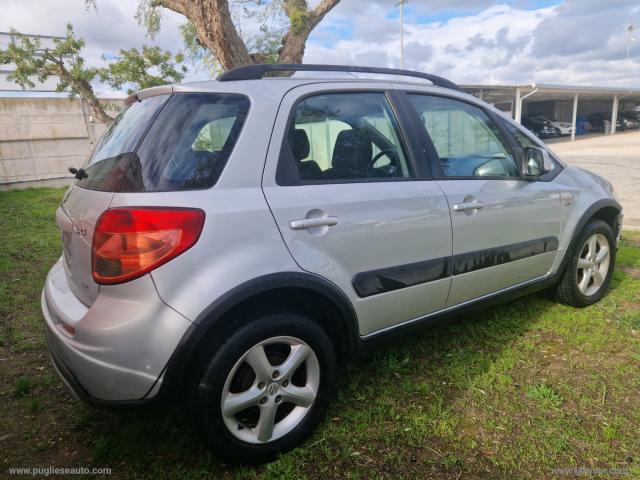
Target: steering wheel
{"points": [[389, 152]]}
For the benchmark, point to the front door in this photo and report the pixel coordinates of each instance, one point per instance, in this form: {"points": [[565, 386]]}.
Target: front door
{"points": [[505, 228], [353, 207]]}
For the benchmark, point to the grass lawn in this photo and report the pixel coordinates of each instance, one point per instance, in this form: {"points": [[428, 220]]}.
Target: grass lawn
{"points": [[514, 391]]}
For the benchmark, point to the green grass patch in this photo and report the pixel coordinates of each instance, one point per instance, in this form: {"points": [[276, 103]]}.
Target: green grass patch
{"points": [[22, 387], [544, 395], [513, 391]]}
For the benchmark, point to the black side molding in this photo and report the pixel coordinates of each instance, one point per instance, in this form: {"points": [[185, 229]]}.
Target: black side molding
{"points": [[388, 279], [469, 262], [394, 278]]}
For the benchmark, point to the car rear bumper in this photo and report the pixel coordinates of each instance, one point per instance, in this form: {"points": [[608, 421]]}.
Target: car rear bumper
{"points": [[115, 351]]}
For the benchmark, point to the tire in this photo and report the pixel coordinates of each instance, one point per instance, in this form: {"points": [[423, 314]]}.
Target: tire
{"points": [[243, 436], [588, 272]]}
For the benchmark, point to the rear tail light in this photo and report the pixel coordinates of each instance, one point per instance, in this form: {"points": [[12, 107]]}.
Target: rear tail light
{"points": [[129, 242]]}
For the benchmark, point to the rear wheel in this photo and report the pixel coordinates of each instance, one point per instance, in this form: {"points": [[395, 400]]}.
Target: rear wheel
{"points": [[263, 391], [589, 272]]}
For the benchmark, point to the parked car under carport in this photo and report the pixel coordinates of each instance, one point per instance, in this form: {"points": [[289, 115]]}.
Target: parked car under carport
{"points": [[540, 128], [564, 128]]}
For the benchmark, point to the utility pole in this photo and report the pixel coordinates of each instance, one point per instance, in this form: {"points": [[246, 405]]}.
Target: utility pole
{"points": [[401, 5], [630, 39]]}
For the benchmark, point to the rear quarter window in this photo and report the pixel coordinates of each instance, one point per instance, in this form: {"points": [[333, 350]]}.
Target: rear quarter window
{"points": [[167, 143], [111, 155], [189, 143]]}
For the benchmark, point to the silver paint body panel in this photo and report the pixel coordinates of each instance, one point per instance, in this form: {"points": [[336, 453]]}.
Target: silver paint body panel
{"points": [[125, 334], [380, 225], [121, 344], [513, 211]]}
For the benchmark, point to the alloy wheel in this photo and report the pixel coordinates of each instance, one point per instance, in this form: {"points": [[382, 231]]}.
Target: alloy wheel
{"points": [[270, 389], [593, 264]]}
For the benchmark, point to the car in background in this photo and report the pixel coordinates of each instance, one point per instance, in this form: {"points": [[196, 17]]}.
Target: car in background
{"points": [[598, 119], [563, 127], [540, 128], [629, 120]]}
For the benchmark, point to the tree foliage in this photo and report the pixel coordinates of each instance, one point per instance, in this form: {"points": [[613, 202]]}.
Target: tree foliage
{"points": [[133, 69], [63, 60], [143, 69], [212, 35]]}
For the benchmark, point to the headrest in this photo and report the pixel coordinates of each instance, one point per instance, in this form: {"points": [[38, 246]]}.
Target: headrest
{"points": [[299, 144], [352, 151]]}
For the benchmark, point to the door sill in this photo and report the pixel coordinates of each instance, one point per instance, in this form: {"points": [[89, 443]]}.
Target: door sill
{"points": [[454, 308]]}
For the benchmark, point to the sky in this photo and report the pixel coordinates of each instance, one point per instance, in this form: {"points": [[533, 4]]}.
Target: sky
{"points": [[468, 41]]}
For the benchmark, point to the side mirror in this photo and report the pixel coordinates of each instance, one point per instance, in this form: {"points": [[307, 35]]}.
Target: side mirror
{"points": [[536, 162]]}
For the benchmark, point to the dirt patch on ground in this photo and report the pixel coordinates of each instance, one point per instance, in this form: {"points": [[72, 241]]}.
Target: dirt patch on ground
{"points": [[39, 416], [633, 271]]}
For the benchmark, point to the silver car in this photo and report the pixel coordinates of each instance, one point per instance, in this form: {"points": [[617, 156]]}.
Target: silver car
{"points": [[232, 242]]}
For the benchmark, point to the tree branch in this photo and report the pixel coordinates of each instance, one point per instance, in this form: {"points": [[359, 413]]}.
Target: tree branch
{"points": [[214, 29], [86, 91], [322, 9], [302, 22], [175, 5]]}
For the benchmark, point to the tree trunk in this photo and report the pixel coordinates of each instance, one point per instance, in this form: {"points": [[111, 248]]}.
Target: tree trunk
{"points": [[85, 91], [303, 21], [293, 46], [214, 28]]}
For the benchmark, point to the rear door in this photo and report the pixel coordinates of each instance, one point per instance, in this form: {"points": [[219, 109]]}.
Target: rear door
{"points": [[505, 227], [91, 195], [354, 206]]}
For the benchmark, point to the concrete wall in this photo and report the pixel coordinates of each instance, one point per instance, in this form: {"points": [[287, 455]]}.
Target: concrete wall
{"points": [[40, 138]]}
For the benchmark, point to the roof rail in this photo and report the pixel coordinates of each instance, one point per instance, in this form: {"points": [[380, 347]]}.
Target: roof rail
{"points": [[256, 72]]}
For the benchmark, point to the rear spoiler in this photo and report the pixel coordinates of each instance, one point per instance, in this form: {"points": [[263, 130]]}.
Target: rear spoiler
{"points": [[148, 92]]}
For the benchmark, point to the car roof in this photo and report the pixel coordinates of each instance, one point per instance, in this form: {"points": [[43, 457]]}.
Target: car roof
{"points": [[254, 79], [275, 87]]}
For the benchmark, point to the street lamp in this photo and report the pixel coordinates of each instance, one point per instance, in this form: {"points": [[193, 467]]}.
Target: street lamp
{"points": [[401, 3], [630, 39]]}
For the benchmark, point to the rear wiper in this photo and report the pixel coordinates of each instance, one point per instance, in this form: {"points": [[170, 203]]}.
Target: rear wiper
{"points": [[79, 173]]}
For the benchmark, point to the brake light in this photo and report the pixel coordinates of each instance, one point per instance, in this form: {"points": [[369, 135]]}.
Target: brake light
{"points": [[129, 242]]}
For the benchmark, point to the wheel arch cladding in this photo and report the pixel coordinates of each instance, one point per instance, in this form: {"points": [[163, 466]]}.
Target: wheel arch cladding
{"points": [[609, 214], [308, 294], [606, 210]]}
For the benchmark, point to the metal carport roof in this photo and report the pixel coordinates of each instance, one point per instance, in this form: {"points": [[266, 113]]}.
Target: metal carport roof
{"points": [[550, 91]]}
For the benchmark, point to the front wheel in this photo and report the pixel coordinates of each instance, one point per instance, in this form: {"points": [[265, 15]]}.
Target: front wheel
{"points": [[589, 272], [263, 391]]}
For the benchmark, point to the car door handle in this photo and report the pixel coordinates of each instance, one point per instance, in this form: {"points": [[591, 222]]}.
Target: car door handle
{"points": [[465, 206], [306, 223]]}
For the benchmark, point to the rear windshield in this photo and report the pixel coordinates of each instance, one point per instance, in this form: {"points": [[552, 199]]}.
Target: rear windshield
{"points": [[186, 147], [113, 151]]}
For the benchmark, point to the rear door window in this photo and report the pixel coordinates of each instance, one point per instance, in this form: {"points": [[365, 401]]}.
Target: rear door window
{"points": [[344, 137]]}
